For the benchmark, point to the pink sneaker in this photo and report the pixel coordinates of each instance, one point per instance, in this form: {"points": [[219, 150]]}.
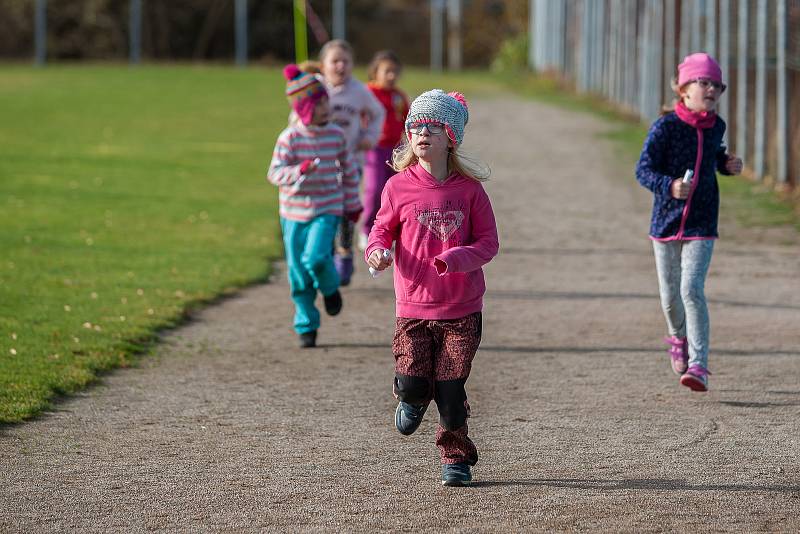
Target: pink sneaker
{"points": [[679, 353], [696, 378]]}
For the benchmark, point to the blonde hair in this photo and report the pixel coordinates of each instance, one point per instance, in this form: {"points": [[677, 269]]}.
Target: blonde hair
{"points": [[336, 43], [403, 157], [673, 84], [310, 66]]}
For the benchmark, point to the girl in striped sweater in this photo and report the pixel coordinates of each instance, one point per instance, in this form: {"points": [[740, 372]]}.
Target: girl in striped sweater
{"points": [[318, 186]]}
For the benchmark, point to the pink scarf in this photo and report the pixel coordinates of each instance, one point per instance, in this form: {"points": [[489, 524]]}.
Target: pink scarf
{"points": [[696, 119]]}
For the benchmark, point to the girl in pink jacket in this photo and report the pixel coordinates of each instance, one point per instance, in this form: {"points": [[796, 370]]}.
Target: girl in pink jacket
{"points": [[439, 217]]}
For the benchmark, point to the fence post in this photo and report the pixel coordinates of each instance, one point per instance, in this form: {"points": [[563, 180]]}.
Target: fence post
{"points": [[613, 28], [135, 37], [656, 66], [761, 87], [644, 56], [783, 110], [630, 70], [241, 32], [669, 47], [544, 36], [583, 57], [40, 30], [437, 34], [599, 46], [645, 51], [711, 28], [339, 17], [454, 34], [695, 39], [685, 42], [724, 51], [534, 24], [300, 31], [557, 33], [561, 36], [549, 43], [741, 81]]}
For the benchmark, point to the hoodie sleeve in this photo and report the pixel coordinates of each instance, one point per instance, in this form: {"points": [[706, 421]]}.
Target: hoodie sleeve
{"points": [[284, 168], [374, 115], [350, 180], [652, 160], [484, 247], [386, 225]]}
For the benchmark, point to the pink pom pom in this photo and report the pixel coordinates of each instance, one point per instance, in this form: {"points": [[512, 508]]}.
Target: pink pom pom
{"points": [[290, 72], [458, 96]]}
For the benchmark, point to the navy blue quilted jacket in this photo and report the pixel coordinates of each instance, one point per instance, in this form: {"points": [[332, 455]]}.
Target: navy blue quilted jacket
{"points": [[671, 147]]}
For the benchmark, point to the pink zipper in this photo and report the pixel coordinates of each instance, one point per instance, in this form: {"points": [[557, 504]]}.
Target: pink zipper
{"points": [[695, 180]]}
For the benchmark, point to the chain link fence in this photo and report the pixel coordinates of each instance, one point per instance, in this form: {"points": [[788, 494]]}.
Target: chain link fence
{"points": [[628, 51]]}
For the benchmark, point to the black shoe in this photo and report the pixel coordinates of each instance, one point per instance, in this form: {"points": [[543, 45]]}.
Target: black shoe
{"points": [[456, 475], [308, 339], [333, 303], [408, 417]]}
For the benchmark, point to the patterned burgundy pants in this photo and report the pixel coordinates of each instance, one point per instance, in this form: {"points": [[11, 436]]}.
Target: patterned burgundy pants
{"points": [[432, 362]]}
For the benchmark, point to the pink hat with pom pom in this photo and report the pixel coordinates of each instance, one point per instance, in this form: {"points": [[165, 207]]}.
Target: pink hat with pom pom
{"points": [[449, 109], [303, 90]]}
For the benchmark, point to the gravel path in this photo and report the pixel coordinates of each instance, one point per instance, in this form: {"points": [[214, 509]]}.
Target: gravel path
{"points": [[580, 423]]}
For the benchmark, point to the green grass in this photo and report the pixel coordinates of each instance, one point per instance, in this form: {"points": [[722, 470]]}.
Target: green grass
{"points": [[126, 196], [751, 204]]}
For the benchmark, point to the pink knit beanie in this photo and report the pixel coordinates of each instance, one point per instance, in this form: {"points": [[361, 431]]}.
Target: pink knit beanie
{"points": [[699, 65], [303, 90]]}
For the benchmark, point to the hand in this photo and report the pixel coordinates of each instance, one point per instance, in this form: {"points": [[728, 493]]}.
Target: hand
{"points": [[679, 189], [377, 261], [364, 144], [734, 165], [353, 216], [309, 166]]}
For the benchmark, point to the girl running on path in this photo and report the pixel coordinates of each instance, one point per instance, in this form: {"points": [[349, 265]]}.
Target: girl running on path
{"points": [[440, 218], [384, 70], [683, 226], [318, 184], [356, 111]]}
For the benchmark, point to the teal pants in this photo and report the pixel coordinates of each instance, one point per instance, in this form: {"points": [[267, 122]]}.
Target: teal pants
{"points": [[309, 258]]}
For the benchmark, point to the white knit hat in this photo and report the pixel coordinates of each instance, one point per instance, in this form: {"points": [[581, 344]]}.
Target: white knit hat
{"points": [[437, 106]]}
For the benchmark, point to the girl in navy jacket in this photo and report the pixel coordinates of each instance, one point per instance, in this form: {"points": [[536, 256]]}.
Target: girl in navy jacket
{"points": [[683, 226]]}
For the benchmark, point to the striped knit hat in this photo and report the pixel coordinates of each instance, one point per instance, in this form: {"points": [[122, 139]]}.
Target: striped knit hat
{"points": [[437, 106], [303, 90]]}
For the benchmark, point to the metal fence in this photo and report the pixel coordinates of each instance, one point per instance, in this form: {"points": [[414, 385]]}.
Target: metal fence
{"points": [[628, 50]]}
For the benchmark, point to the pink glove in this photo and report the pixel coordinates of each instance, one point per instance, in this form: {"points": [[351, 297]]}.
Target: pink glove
{"points": [[305, 165]]}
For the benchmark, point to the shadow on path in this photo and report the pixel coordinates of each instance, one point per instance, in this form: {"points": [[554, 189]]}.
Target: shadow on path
{"points": [[519, 294], [573, 350], [638, 484], [748, 404], [644, 251]]}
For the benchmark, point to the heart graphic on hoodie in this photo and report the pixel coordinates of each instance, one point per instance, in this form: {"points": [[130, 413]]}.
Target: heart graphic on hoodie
{"points": [[442, 224]]}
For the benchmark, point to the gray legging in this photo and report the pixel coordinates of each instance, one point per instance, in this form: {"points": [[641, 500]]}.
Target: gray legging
{"points": [[682, 267]]}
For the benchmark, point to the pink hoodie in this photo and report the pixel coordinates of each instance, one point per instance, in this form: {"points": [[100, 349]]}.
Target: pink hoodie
{"points": [[445, 233]]}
